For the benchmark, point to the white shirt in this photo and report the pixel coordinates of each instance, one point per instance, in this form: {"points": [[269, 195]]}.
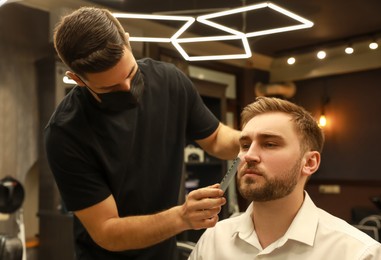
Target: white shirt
{"points": [[314, 234]]}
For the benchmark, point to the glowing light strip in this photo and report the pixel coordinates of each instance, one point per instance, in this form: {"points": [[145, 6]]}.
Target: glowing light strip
{"points": [[277, 30], [234, 34], [245, 43], [182, 29], [220, 57], [153, 17], [189, 20], [180, 50], [210, 38], [290, 14], [233, 11], [218, 26], [305, 23], [148, 39]]}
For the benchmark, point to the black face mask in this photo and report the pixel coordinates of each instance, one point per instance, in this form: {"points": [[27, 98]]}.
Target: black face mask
{"points": [[123, 100]]}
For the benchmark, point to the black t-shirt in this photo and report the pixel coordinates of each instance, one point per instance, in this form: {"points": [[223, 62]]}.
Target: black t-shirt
{"points": [[136, 155]]}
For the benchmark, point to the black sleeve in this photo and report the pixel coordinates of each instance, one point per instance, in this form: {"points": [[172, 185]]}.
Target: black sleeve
{"points": [[201, 121], [77, 176]]}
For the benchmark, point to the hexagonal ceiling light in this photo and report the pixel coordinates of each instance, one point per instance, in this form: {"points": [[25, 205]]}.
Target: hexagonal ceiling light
{"points": [[233, 34]]}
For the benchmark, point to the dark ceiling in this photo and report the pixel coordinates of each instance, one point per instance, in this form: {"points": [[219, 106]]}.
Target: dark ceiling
{"points": [[335, 21]]}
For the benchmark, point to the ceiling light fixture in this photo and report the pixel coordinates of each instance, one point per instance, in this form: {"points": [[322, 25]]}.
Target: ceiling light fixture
{"points": [[304, 22], [334, 49], [323, 118], [321, 55], [322, 121], [233, 34], [373, 45], [176, 41], [291, 61], [349, 49], [245, 43], [187, 19]]}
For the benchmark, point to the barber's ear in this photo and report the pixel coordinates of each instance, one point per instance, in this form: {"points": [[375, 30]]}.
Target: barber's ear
{"points": [[311, 162], [74, 77]]}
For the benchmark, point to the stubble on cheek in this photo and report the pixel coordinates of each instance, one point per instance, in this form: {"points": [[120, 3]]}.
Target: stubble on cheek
{"points": [[264, 188]]}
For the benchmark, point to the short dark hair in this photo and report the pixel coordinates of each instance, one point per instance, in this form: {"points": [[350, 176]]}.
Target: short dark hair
{"points": [[90, 40], [312, 137]]}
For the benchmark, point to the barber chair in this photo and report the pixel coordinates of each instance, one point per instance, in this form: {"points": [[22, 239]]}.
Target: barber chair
{"points": [[376, 201], [371, 225], [185, 249], [10, 247], [11, 199]]}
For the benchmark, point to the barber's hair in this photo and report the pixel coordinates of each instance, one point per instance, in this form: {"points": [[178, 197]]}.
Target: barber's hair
{"points": [[90, 40], [311, 136]]}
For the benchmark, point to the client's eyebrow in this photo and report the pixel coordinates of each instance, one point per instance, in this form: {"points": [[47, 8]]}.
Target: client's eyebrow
{"points": [[261, 136]]}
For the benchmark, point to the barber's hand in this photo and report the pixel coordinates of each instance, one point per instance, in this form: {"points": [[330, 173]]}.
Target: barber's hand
{"points": [[202, 206]]}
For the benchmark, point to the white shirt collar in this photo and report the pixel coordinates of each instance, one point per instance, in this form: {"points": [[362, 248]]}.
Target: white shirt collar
{"points": [[303, 227]]}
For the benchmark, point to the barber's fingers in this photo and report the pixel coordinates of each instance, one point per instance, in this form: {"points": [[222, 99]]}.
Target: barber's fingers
{"points": [[205, 198], [206, 213], [193, 204], [212, 191], [202, 206], [202, 218], [205, 223]]}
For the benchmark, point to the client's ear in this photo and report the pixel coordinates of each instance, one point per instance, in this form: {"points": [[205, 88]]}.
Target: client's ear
{"points": [[311, 162]]}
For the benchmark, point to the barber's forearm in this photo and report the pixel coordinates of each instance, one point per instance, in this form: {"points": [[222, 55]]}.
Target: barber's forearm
{"points": [[229, 143], [226, 145], [200, 210], [223, 143], [137, 232]]}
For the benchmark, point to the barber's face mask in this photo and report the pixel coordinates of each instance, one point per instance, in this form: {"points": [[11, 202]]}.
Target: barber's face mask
{"points": [[123, 100]]}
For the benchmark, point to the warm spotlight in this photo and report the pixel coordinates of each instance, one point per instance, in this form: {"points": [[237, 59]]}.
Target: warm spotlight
{"points": [[349, 50], [322, 121], [291, 60], [321, 55], [373, 45]]}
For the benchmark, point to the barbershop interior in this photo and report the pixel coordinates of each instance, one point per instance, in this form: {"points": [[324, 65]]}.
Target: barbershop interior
{"points": [[322, 55]]}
